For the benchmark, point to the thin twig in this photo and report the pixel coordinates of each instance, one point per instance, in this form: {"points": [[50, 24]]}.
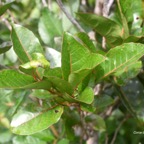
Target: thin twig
{"points": [[117, 130], [106, 139], [69, 16], [49, 4], [44, 3], [106, 7], [6, 23], [54, 131]]}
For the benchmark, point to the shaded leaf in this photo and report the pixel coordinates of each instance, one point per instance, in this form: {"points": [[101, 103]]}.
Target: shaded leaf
{"points": [[3, 8], [99, 123], [64, 141], [131, 71], [49, 27], [61, 85], [42, 94], [104, 26], [27, 123], [57, 72], [5, 47]]}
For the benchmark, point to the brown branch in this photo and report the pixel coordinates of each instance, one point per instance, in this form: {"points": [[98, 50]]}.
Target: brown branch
{"points": [[73, 21], [117, 130], [44, 3], [54, 131]]}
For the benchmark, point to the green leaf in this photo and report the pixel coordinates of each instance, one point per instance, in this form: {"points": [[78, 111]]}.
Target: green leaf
{"points": [[104, 26], [5, 137], [49, 27], [5, 47], [119, 58], [27, 140], [45, 135], [61, 85], [77, 58], [63, 141], [57, 72], [123, 20], [103, 101], [87, 96], [131, 71], [38, 60], [72, 7], [135, 7], [86, 41], [42, 94], [27, 123], [88, 108], [3, 8], [99, 123], [13, 79], [25, 43], [77, 77], [36, 66]]}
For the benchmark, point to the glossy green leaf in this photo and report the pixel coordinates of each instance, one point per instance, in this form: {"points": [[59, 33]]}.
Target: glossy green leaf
{"points": [[49, 27], [77, 58], [5, 47], [87, 96], [105, 27], [27, 123], [119, 58], [3, 8], [24, 43], [13, 79]]}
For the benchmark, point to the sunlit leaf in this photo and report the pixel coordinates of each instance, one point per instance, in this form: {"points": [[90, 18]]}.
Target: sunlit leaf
{"points": [[119, 58], [27, 123], [76, 57], [24, 43]]}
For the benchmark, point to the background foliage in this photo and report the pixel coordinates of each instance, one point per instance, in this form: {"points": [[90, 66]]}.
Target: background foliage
{"points": [[71, 75]]}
